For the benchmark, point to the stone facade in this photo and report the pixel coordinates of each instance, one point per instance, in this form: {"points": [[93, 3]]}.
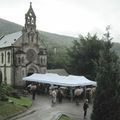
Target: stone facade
{"points": [[22, 53]]}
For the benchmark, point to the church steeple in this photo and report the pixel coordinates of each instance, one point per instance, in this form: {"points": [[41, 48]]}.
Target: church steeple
{"points": [[30, 19]]}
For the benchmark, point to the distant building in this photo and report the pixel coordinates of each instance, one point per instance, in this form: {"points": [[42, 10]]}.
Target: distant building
{"points": [[22, 53], [61, 72]]}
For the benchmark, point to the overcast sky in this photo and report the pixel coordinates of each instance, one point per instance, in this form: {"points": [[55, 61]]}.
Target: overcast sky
{"points": [[67, 17]]}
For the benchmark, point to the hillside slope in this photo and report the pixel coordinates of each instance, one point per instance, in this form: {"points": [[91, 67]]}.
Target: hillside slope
{"points": [[51, 40], [7, 27], [55, 40]]}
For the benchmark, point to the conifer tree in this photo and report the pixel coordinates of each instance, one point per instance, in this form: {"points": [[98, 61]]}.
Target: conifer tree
{"points": [[107, 100], [83, 53]]}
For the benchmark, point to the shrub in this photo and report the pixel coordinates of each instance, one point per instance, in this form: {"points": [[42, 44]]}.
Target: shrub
{"points": [[5, 90], [15, 94]]}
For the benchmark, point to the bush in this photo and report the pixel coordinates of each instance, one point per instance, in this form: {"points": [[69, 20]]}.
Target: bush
{"points": [[5, 90], [15, 94], [4, 98]]}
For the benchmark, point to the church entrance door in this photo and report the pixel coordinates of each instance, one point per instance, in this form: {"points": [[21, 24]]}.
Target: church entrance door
{"points": [[30, 72]]}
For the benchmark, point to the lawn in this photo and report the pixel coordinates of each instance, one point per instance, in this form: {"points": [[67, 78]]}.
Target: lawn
{"points": [[15, 106], [23, 101], [64, 117]]}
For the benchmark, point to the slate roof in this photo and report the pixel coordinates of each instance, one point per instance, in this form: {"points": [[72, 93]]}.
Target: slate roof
{"points": [[10, 39], [58, 71]]}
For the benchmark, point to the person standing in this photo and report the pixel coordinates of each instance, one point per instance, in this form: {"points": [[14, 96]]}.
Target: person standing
{"points": [[54, 94], [28, 88], [60, 95], [33, 90], [85, 107]]}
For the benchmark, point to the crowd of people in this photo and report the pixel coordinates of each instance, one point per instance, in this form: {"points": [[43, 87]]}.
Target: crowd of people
{"points": [[73, 93], [58, 93]]}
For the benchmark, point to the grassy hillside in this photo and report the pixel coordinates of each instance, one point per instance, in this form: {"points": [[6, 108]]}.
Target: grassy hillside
{"points": [[51, 40], [56, 40], [7, 27]]}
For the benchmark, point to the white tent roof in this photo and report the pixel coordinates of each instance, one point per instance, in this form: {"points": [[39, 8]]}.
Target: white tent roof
{"points": [[56, 79]]}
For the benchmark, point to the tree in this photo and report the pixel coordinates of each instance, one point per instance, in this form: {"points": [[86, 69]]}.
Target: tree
{"points": [[82, 55], [107, 100], [58, 59]]}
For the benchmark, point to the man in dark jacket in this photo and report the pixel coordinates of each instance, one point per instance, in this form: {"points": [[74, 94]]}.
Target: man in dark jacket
{"points": [[85, 107], [60, 95]]}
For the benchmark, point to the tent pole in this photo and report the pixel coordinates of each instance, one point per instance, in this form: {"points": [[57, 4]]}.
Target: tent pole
{"points": [[71, 94], [85, 93]]}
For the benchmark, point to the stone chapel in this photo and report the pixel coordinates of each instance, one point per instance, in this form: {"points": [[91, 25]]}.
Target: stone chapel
{"points": [[22, 53]]}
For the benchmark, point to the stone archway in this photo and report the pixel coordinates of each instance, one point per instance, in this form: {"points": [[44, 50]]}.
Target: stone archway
{"points": [[31, 70]]}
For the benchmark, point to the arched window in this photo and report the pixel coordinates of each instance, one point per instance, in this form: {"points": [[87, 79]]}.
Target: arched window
{"points": [[22, 59], [41, 60], [32, 37], [28, 35], [2, 56], [8, 54], [32, 20], [19, 60], [22, 72], [44, 60]]}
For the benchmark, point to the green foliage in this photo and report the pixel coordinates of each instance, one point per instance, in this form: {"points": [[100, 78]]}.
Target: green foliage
{"points": [[82, 55], [23, 101], [107, 99], [8, 110], [116, 48], [57, 60], [64, 117], [56, 49], [5, 90], [13, 107]]}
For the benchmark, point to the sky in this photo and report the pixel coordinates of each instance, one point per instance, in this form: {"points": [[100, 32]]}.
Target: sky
{"points": [[67, 17]]}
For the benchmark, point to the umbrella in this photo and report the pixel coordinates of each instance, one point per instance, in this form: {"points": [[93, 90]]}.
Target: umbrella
{"points": [[78, 91]]}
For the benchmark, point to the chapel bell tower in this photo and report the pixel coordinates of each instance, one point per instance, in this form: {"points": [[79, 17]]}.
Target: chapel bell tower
{"points": [[30, 19]]}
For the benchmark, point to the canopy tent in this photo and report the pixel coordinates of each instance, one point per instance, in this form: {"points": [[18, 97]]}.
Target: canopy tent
{"points": [[55, 79]]}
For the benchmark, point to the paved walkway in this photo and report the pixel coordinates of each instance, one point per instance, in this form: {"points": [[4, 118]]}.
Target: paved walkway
{"points": [[42, 110]]}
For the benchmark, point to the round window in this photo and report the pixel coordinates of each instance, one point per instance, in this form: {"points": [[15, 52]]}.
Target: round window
{"points": [[31, 55]]}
